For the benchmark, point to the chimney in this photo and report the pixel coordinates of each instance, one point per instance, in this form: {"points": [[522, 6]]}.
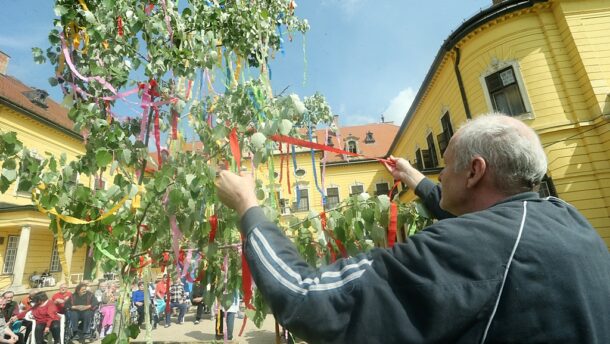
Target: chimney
{"points": [[4, 58], [336, 121]]}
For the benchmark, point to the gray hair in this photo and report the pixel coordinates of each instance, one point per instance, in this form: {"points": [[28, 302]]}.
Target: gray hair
{"points": [[512, 152]]}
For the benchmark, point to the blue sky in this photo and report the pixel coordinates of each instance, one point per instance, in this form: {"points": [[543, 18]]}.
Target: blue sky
{"points": [[368, 57]]}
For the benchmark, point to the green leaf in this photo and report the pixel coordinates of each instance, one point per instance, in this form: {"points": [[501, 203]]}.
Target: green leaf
{"points": [[110, 339], [162, 183], [126, 155], [4, 184], [10, 137], [148, 239], [68, 100], [38, 56], [175, 197], [103, 157]]}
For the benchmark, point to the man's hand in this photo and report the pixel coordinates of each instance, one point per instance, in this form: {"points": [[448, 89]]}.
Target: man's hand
{"points": [[60, 301], [139, 303], [46, 330], [236, 192], [13, 319], [197, 299], [403, 171]]}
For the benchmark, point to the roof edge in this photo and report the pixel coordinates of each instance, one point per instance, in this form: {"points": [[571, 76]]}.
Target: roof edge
{"points": [[21, 109], [455, 37]]}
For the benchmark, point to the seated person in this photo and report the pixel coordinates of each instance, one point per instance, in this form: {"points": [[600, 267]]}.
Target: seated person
{"points": [[177, 300], [46, 316], [27, 303], [108, 309], [60, 298], [8, 308], [6, 334], [81, 306], [197, 295]]}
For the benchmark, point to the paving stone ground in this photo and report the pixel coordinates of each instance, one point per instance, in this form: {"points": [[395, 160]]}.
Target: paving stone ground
{"points": [[204, 332]]}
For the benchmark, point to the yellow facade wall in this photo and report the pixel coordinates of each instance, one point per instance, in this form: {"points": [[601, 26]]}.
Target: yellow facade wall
{"points": [[41, 139], [342, 176], [560, 51]]}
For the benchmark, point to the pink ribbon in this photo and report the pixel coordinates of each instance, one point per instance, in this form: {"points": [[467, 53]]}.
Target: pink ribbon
{"points": [[176, 236]]}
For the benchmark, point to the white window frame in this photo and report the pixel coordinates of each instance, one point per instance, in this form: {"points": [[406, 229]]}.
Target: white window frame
{"points": [[55, 265], [497, 66], [347, 144], [9, 263]]}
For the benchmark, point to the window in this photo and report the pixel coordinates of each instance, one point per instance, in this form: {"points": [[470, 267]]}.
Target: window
{"points": [[351, 146], [504, 92], [11, 254], [419, 161], [329, 141], [357, 189], [302, 203], [444, 137], [547, 188], [299, 172], [382, 189], [432, 160], [55, 263], [285, 206], [332, 197], [369, 137], [276, 175]]}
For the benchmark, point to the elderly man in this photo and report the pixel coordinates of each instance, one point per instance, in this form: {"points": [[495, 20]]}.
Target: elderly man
{"points": [[81, 304], [60, 298], [509, 267]]}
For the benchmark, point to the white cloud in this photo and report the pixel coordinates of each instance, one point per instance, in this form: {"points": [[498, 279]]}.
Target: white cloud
{"points": [[399, 106], [348, 6]]}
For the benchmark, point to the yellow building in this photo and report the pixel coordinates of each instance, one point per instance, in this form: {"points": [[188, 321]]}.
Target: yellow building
{"points": [[545, 62], [344, 175], [27, 246]]}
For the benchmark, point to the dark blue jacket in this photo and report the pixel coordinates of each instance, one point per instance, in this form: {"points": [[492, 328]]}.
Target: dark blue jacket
{"points": [[526, 270]]}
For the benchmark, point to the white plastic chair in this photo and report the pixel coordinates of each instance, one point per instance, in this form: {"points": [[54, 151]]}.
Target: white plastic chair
{"points": [[32, 338]]}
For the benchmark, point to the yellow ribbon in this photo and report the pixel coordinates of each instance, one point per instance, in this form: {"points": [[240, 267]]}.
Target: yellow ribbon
{"points": [[71, 219], [237, 70], [83, 5], [61, 251]]}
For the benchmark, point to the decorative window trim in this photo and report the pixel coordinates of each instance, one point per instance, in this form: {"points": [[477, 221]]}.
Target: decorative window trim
{"points": [[296, 172], [347, 145], [496, 66]]}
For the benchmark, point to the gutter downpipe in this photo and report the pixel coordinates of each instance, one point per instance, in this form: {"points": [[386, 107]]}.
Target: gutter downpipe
{"points": [[458, 75]]}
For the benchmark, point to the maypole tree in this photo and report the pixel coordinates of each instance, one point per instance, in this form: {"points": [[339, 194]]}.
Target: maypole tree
{"points": [[198, 68]]}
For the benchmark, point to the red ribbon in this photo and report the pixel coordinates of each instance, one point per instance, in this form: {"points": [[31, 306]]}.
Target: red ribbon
{"points": [[119, 23], [213, 227], [174, 124], [314, 145], [337, 241], [246, 281], [234, 143], [165, 261], [393, 218]]}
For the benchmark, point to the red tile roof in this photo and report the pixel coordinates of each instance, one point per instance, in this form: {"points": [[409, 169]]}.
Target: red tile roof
{"points": [[12, 92], [383, 134]]}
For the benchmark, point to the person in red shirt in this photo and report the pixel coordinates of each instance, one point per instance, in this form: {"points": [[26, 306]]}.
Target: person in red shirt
{"points": [[60, 298], [46, 316]]}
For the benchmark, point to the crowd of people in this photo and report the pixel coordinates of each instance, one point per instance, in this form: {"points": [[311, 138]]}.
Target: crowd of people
{"points": [[88, 313]]}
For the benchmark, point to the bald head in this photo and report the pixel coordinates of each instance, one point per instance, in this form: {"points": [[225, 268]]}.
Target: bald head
{"points": [[511, 149]]}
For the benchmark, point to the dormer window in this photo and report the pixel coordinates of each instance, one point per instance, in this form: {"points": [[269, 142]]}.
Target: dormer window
{"points": [[329, 141], [369, 137], [38, 97], [352, 147]]}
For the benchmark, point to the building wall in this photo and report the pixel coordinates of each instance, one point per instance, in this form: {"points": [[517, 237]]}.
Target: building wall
{"points": [[342, 176], [560, 49], [42, 139]]}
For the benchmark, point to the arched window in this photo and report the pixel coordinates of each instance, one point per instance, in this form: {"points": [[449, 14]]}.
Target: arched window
{"points": [[351, 146]]}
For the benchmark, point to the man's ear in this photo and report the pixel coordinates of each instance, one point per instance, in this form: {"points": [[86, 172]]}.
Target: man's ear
{"points": [[477, 170]]}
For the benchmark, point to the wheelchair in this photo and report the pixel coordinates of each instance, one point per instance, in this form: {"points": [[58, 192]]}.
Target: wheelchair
{"points": [[93, 331]]}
